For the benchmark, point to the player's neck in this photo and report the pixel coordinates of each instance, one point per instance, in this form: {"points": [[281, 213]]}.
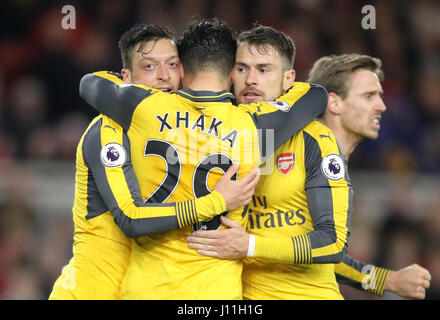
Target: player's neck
{"points": [[346, 139], [210, 81], [347, 142]]}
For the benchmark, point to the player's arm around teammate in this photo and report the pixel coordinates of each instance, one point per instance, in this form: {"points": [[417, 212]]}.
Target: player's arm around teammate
{"points": [[107, 190], [150, 58], [263, 71], [329, 201], [141, 124], [409, 282], [106, 151]]}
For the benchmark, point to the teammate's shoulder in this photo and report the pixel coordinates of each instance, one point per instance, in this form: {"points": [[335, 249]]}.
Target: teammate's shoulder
{"points": [[319, 131], [308, 87], [305, 93], [117, 78], [298, 85], [95, 122], [110, 124], [109, 75], [100, 125]]}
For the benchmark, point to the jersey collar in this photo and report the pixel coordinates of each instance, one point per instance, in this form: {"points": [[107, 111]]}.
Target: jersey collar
{"points": [[206, 96]]}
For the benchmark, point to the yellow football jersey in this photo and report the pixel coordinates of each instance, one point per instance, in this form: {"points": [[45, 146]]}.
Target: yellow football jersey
{"points": [[181, 144], [304, 205], [108, 208], [101, 251]]}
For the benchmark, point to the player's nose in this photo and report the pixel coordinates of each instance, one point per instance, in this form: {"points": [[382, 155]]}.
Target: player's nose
{"points": [[381, 105], [163, 73], [251, 78]]}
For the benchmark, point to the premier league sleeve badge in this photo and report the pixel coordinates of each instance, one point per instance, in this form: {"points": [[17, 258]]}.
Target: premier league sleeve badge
{"points": [[113, 155], [332, 167]]}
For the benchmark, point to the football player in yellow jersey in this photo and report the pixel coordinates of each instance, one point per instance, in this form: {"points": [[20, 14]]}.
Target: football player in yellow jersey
{"points": [[299, 218], [107, 191], [353, 114], [259, 70], [184, 141]]}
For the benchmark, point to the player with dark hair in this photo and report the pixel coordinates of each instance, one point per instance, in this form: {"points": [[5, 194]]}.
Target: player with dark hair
{"points": [[207, 47], [108, 205], [134, 39], [183, 143]]}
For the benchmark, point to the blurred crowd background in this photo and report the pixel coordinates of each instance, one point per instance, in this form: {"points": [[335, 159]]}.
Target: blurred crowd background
{"points": [[396, 216]]}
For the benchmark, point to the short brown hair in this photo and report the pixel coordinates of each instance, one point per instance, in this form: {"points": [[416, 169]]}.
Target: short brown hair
{"points": [[263, 36], [333, 72], [141, 34]]}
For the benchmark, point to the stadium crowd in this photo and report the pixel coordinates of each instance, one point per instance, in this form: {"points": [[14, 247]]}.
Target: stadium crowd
{"points": [[42, 116]]}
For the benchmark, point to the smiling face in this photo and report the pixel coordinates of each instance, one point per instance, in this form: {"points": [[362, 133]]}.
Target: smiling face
{"points": [[259, 74], [362, 108], [155, 64]]}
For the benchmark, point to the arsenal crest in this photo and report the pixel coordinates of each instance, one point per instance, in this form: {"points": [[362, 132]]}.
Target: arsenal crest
{"points": [[285, 162]]}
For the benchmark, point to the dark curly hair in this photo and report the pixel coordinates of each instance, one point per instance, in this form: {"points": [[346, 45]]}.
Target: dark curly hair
{"points": [[207, 45]]}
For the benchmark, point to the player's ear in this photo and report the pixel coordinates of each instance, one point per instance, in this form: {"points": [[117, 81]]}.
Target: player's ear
{"points": [[289, 78], [334, 103], [126, 75], [182, 72], [231, 78]]}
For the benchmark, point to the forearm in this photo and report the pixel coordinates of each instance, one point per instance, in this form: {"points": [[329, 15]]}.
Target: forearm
{"points": [[149, 218], [118, 187], [209, 206], [362, 276], [326, 244], [295, 250]]}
